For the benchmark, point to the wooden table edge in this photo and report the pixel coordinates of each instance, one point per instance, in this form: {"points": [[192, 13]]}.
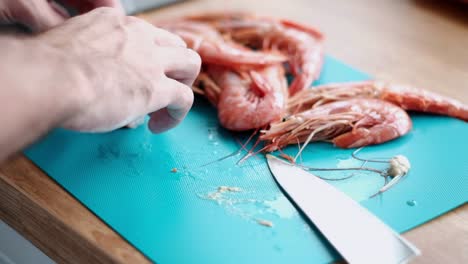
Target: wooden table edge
{"points": [[54, 221]]}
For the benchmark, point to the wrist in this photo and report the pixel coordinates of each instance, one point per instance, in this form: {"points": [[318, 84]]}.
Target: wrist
{"points": [[50, 81], [79, 73], [74, 85]]}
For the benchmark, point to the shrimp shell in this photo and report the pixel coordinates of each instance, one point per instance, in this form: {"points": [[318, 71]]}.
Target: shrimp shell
{"points": [[215, 49], [348, 124], [406, 97], [247, 99], [301, 44]]}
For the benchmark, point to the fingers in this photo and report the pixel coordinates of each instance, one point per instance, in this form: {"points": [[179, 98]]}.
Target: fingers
{"points": [[137, 122], [180, 100], [180, 64], [181, 67], [165, 38], [84, 6], [159, 36], [39, 15], [148, 70], [109, 3]]}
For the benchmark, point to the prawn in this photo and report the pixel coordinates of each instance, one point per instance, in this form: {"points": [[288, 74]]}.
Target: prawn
{"points": [[348, 124], [406, 97], [246, 99], [215, 49], [301, 44]]}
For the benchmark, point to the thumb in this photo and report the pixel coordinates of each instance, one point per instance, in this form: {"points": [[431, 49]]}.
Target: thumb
{"points": [[40, 15]]}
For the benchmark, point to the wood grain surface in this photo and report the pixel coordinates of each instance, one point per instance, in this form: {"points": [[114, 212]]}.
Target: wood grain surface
{"points": [[54, 221], [419, 42]]}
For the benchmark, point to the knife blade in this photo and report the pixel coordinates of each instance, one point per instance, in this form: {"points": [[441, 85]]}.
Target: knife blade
{"points": [[358, 235]]}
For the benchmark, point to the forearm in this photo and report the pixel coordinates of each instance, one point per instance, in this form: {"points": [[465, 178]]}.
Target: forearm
{"points": [[38, 89]]}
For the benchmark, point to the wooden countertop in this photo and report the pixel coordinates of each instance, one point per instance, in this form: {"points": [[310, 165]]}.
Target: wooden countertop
{"points": [[420, 42]]}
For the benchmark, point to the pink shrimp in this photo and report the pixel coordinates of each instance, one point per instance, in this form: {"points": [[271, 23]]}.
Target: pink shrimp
{"points": [[406, 97], [416, 99], [214, 49], [306, 59], [246, 100], [300, 43], [348, 124]]}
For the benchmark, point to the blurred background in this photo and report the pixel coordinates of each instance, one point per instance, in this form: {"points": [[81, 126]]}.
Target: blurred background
{"points": [[394, 40]]}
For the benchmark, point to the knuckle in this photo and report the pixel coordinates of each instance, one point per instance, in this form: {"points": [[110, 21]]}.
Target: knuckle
{"points": [[194, 59], [186, 96], [177, 39], [167, 38], [132, 20], [190, 96], [106, 11], [139, 23]]}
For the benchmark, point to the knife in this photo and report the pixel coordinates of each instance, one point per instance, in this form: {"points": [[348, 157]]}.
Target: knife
{"points": [[358, 235]]}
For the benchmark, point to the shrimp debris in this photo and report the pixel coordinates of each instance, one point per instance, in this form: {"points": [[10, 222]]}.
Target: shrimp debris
{"points": [[399, 166], [217, 195], [223, 189], [265, 223]]}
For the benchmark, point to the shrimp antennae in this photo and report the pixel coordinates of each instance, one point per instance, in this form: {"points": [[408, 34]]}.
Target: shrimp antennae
{"points": [[222, 158], [333, 179], [251, 153], [315, 131], [354, 155], [243, 146], [388, 185], [381, 172], [399, 166]]}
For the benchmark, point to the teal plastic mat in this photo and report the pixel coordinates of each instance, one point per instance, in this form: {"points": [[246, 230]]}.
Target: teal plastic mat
{"points": [[126, 178]]}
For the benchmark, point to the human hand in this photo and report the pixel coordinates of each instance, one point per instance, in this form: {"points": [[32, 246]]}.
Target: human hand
{"points": [[40, 15], [130, 68]]}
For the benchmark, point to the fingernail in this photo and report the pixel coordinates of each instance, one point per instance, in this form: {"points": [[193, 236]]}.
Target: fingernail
{"points": [[59, 9], [161, 121]]}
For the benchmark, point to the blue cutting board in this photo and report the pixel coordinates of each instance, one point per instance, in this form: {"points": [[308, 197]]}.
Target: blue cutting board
{"points": [[125, 178]]}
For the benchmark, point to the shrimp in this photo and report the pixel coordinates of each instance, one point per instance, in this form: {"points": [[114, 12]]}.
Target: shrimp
{"points": [[303, 45], [217, 19], [214, 49], [417, 99], [406, 97], [348, 124], [247, 99], [305, 51]]}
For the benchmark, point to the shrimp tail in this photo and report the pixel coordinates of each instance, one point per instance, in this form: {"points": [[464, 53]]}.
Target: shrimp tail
{"points": [[308, 72], [301, 82], [406, 97], [415, 99], [305, 28]]}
